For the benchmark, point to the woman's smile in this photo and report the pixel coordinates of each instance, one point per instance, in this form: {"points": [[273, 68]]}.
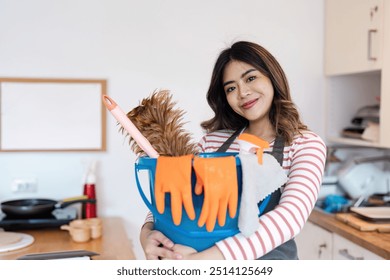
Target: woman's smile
{"points": [[249, 104]]}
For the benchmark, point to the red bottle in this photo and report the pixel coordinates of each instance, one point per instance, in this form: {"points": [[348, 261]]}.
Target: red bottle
{"points": [[89, 208]]}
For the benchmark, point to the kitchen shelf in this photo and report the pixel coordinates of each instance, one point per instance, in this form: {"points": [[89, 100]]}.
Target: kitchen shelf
{"points": [[355, 142]]}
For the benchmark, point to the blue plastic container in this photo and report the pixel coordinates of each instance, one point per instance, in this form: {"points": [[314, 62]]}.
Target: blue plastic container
{"points": [[188, 232]]}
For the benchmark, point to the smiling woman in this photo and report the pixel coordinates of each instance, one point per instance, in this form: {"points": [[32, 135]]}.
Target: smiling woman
{"points": [[51, 114]]}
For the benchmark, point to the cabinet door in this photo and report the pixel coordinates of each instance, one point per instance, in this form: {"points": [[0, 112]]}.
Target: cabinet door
{"points": [[353, 36], [344, 249], [314, 243]]}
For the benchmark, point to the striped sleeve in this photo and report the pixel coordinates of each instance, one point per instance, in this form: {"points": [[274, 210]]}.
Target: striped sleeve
{"points": [[149, 218], [304, 162]]}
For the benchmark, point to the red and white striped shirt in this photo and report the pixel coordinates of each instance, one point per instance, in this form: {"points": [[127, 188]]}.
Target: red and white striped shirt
{"points": [[304, 163]]}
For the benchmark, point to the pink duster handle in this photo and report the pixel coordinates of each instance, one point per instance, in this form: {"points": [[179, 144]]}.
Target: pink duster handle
{"points": [[121, 117]]}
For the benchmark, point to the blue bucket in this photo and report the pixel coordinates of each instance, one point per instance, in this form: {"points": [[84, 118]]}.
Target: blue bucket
{"points": [[188, 232]]}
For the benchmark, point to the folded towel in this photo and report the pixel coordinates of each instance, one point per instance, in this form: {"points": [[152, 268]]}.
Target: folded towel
{"points": [[258, 181]]}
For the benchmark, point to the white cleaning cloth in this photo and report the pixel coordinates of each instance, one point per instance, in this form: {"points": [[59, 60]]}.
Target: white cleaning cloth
{"points": [[258, 181]]}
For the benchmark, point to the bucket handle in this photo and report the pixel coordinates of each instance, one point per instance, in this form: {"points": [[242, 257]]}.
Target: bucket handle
{"points": [[139, 167]]}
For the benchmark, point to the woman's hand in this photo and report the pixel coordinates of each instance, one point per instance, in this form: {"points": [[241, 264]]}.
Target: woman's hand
{"points": [[186, 252], [156, 245], [189, 253]]}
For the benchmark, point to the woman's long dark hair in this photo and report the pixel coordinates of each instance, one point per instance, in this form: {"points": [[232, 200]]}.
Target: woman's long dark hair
{"points": [[283, 115]]}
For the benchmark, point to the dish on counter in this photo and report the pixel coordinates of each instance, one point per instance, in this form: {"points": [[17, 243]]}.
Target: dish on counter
{"points": [[375, 214], [14, 240]]}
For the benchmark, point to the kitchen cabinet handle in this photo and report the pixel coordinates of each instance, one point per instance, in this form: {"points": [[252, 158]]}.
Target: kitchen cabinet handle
{"points": [[321, 248], [370, 32], [346, 254]]}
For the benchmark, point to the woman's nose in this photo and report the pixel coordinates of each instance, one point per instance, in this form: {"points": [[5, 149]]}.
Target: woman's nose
{"points": [[244, 90]]}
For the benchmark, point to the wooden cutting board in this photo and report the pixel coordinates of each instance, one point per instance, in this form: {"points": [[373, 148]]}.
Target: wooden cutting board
{"points": [[362, 225]]}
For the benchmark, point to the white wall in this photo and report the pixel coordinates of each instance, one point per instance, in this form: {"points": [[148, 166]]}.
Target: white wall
{"points": [[139, 46]]}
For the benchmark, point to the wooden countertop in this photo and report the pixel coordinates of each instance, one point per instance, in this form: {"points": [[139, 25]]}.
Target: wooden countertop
{"points": [[378, 243], [112, 245]]}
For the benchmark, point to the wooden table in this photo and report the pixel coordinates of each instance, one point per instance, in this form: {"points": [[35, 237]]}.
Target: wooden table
{"points": [[113, 245]]}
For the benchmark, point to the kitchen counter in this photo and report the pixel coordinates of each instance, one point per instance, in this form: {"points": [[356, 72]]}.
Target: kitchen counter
{"points": [[378, 243], [112, 245]]}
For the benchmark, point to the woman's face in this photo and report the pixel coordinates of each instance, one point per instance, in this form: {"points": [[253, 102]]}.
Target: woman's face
{"points": [[248, 92]]}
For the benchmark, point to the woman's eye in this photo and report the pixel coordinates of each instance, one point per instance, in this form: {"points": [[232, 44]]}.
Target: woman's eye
{"points": [[251, 78], [230, 89]]}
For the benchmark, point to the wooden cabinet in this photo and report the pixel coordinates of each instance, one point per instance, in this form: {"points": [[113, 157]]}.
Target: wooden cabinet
{"points": [[353, 36], [316, 243], [343, 249], [357, 65]]}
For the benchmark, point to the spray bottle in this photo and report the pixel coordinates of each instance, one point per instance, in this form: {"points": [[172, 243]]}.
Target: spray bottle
{"points": [[89, 209]]}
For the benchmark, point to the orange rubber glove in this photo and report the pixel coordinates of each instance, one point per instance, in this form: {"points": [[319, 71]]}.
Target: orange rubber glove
{"points": [[217, 178], [173, 175]]}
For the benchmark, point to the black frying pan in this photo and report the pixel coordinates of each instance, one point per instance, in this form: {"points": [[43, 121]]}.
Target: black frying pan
{"points": [[37, 206]]}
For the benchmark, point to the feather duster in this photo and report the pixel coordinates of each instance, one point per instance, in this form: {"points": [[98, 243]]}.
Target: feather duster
{"points": [[162, 124]]}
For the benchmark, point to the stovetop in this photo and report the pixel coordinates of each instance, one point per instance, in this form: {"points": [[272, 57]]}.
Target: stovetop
{"points": [[56, 219]]}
